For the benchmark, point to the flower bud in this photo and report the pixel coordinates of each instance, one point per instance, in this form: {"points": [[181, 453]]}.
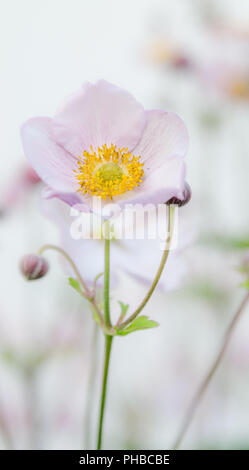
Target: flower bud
{"points": [[185, 199], [30, 176], [33, 266], [181, 62]]}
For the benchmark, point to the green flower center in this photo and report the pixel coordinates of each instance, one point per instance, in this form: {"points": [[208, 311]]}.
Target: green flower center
{"points": [[110, 172]]}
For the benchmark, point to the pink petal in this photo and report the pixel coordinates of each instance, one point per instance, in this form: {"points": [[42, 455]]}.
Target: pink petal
{"points": [[69, 198], [99, 114], [161, 185], [86, 253], [165, 136], [52, 163]]}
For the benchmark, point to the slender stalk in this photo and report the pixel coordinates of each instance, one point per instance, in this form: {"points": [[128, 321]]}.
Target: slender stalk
{"points": [[107, 284], [108, 339], [200, 392], [91, 383], [69, 260], [108, 345], [159, 271], [87, 294]]}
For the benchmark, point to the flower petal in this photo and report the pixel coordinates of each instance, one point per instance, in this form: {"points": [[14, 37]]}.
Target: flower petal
{"points": [[144, 270], [161, 185], [85, 252], [52, 163], [98, 114], [71, 199], [165, 136]]}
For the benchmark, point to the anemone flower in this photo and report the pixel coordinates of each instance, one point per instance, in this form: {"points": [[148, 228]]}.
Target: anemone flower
{"points": [[102, 143]]}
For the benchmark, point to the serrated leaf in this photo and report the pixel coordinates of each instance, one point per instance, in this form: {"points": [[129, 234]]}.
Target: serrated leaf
{"points": [[75, 284], [140, 323]]}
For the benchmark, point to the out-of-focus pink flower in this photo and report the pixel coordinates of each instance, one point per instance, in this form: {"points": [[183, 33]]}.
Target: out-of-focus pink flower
{"points": [[26, 179], [230, 30], [229, 80], [225, 69], [164, 51], [102, 143], [221, 61]]}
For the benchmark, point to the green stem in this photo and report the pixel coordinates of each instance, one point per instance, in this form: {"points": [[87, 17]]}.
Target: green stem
{"points": [[108, 339], [107, 284], [91, 386], [69, 260], [159, 271], [108, 345]]}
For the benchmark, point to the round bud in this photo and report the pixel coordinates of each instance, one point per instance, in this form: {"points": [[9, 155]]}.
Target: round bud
{"points": [[31, 176], [33, 266], [181, 62], [185, 199]]}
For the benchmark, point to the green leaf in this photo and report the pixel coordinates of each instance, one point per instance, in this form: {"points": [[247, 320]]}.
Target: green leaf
{"points": [[96, 316], [207, 290], [140, 323], [210, 119], [244, 269], [225, 242], [75, 284], [9, 356], [97, 277], [245, 284]]}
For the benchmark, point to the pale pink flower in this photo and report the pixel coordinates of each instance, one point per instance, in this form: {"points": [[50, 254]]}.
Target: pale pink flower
{"points": [[224, 66], [103, 143], [17, 188], [228, 80]]}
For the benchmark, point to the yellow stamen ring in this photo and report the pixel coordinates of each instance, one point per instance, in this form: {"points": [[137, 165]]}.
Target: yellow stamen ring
{"points": [[109, 172]]}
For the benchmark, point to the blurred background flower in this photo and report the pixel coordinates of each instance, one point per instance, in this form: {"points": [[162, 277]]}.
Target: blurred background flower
{"points": [[186, 56]]}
